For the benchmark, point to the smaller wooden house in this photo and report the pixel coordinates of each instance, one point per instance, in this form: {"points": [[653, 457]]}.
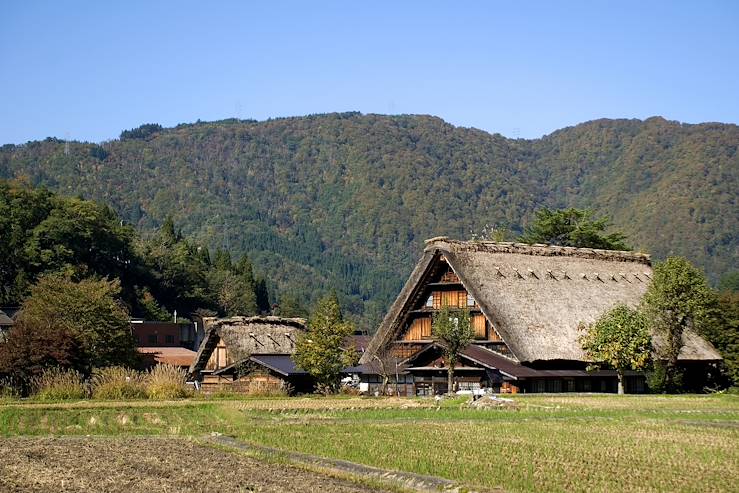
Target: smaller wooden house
{"points": [[246, 354]]}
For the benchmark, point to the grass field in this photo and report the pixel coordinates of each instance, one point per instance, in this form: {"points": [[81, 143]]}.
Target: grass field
{"points": [[544, 443]]}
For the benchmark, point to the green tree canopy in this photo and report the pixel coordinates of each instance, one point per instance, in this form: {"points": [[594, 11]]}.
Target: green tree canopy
{"points": [[321, 350], [621, 339], [453, 330], [677, 299], [574, 228]]}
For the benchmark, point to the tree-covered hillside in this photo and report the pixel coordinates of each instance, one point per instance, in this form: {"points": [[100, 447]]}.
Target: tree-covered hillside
{"points": [[345, 201]]}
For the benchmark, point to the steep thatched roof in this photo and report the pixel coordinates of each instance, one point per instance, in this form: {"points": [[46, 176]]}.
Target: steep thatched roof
{"points": [[536, 296], [245, 336]]}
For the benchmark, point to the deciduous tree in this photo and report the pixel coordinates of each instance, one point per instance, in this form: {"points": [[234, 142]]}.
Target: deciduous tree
{"points": [[677, 299], [90, 310], [453, 330], [621, 338]]}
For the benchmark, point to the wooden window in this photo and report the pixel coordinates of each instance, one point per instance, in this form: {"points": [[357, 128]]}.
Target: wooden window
{"points": [[169, 339], [420, 328], [470, 300], [437, 300], [461, 299], [152, 339], [430, 301], [479, 326]]}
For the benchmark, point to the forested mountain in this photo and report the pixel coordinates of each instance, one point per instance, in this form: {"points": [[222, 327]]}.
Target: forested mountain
{"points": [[345, 201]]}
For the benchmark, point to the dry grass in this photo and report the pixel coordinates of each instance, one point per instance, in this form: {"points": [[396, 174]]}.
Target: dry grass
{"points": [[117, 382], [58, 384], [166, 382]]}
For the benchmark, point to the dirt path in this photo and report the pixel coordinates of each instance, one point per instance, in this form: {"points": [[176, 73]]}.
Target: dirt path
{"points": [[61, 465]]}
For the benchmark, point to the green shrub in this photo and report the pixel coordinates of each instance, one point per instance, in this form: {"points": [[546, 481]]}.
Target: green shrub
{"points": [[166, 382], [118, 382], [58, 384]]}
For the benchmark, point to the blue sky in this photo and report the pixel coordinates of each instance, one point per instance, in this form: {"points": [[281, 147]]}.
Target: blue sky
{"points": [[87, 70]]}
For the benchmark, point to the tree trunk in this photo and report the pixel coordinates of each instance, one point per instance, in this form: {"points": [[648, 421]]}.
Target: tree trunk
{"points": [[450, 380], [383, 389], [620, 374]]}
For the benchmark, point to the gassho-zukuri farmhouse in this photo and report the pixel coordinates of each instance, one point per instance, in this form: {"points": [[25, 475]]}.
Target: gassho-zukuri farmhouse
{"points": [[526, 303]]}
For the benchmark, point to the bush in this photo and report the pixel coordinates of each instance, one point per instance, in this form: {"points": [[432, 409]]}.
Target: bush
{"points": [[58, 384], [117, 382], [166, 382]]}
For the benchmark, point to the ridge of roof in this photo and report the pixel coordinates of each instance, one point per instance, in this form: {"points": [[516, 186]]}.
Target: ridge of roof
{"points": [[445, 243], [258, 319]]}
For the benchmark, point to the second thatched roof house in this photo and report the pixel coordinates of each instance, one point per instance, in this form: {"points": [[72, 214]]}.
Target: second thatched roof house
{"points": [[526, 304], [250, 354]]}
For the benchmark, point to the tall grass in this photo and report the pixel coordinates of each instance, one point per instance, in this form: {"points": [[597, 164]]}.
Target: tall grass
{"points": [[166, 382], [58, 384], [117, 382], [265, 389], [9, 388]]}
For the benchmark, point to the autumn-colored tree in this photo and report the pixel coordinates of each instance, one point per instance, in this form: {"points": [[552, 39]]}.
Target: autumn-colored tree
{"points": [[90, 310], [30, 349], [453, 330], [321, 350], [621, 339]]}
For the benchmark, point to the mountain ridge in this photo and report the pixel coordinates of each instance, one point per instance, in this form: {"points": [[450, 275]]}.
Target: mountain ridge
{"points": [[345, 200]]}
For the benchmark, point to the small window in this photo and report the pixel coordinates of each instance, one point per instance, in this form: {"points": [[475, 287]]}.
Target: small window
{"points": [[470, 300], [430, 301], [169, 339], [152, 338]]}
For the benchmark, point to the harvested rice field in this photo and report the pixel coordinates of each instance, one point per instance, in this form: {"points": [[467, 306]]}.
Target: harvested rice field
{"points": [[143, 465], [534, 443]]}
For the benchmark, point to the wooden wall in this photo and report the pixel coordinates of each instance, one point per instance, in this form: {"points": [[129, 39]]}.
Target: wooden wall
{"points": [[219, 358]]}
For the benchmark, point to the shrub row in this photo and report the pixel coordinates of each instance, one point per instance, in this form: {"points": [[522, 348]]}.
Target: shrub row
{"points": [[115, 382]]}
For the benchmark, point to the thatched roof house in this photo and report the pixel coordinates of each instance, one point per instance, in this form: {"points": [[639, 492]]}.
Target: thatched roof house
{"points": [[239, 351], [527, 301]]}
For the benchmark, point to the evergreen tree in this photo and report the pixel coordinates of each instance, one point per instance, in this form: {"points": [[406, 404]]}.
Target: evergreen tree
{"points": [[320, 351], [574, 228]]}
